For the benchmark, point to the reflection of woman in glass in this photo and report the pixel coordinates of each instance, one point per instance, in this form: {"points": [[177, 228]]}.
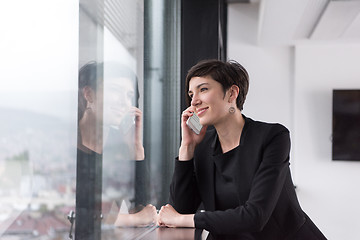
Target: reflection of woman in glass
{"points": [[110, 126]]}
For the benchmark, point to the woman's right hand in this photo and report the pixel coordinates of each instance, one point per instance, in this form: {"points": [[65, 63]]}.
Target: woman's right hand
{"points": [[189, 138]]}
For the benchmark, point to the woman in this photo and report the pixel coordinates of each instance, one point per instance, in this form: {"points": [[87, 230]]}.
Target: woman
{"points": [[239, 170], [110, 150]]}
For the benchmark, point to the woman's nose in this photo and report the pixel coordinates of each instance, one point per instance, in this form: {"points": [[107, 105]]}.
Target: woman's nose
{"points": [[195, 100]]}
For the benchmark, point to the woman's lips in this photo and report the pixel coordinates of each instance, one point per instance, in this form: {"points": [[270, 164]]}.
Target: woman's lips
{"points": [[201, 111]]}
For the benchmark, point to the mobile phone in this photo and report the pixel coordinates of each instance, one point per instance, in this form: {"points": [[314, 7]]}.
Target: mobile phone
{"points": [[194, 123], [127, 123]]}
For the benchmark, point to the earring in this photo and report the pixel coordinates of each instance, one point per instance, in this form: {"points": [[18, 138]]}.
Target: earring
{"points": [[231, 110]]}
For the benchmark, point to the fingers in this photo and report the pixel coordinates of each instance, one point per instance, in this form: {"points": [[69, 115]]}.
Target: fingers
{"points": [[160, 219], [151, 207], [166, 216], [136, 112], [153, 212], [164, 208], [187, 113]]}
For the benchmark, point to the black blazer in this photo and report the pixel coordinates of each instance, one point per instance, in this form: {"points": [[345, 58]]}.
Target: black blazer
{"points": [[268, 206]]}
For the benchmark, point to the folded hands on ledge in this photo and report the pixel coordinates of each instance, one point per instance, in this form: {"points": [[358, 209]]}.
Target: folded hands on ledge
{"points": [[166, 217]]}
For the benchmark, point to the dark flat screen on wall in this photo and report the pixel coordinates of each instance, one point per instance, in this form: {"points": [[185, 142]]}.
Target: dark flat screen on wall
{"points": [[346, 125]]}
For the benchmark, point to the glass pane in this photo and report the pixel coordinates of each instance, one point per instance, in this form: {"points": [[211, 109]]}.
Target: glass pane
{"points": [[90, 121], [38, 96], [162, 92], [133, 115], [90, 115]]}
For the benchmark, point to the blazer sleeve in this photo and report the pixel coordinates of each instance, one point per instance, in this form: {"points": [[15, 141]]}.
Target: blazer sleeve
{"points": [[266, 188], [142, 182], [184, 194]]}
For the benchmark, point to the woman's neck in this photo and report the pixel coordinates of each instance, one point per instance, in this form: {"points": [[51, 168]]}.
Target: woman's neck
{"points": [[229, 131], [91, 133]]}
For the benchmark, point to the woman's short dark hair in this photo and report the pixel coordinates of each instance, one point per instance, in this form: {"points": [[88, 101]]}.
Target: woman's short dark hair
{"points": [[226, 73], [91, 74]]}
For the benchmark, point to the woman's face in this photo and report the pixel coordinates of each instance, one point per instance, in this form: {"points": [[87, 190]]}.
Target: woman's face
{"points": [[208, 100], [119, 96]]}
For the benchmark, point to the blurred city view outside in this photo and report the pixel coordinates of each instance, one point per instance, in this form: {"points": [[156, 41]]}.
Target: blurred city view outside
{"points": [[40, 61], [37, 175], [38, 107]]}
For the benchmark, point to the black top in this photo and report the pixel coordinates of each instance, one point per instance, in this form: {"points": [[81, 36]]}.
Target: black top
{"points": [[255, 175], [225, 188], [121, 171], [88, 194], [96, 172]]}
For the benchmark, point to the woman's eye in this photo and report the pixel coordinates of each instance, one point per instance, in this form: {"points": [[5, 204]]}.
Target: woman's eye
{"points": [[203, 89], [190, 96]]}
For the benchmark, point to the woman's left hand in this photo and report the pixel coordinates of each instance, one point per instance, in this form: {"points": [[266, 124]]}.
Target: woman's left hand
{"points": [[136, 142], [138, 124], [169, 217], [147, 216]]}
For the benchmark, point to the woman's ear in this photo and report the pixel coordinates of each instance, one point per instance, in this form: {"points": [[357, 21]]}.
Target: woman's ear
{"points": [[89, 94], [233, 93]]}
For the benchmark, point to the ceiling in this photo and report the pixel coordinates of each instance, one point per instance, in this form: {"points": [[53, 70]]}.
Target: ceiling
{"points": [[287, 21]]}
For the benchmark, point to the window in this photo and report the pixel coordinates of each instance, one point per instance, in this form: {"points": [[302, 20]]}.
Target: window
{"points": [[38, 98], [43, 102], [129, 109]]}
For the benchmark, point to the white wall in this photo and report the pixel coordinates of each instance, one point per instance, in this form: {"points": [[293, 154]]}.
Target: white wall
{"points": [[269, 68], [295, 89], [327, 189]]}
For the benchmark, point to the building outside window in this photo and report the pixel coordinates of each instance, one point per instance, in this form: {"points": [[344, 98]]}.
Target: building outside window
{"points": [[132, 46]]}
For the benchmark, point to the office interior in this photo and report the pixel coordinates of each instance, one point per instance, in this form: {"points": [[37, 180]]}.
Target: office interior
{"points": [[296, 52]]}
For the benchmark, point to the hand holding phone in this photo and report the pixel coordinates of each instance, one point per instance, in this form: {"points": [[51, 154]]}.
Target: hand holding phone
{"points": [[127, 123], [194, 123]]}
